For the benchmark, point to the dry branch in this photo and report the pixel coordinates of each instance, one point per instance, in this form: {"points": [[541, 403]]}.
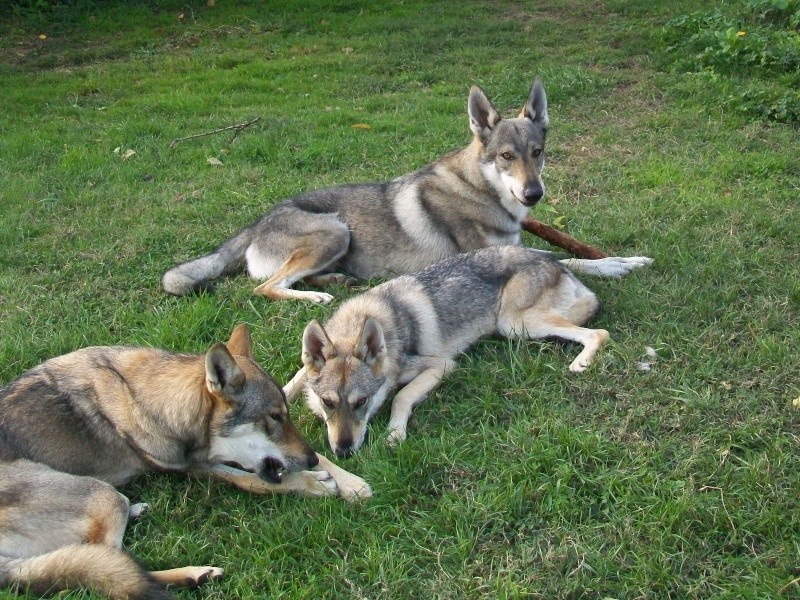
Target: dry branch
{"points": [[237, 128]]}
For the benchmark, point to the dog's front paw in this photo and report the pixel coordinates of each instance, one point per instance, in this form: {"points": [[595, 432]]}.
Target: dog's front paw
{"points": [[396, 435], [319, 483], [352, 487], [620, 266]]}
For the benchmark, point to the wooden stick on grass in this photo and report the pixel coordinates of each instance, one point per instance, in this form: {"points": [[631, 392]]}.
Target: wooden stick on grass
{"points": [[238, 127], [563, 240]]}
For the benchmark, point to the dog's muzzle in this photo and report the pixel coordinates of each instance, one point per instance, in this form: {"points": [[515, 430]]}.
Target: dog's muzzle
{"points": [[531, 195], [272, 470]]}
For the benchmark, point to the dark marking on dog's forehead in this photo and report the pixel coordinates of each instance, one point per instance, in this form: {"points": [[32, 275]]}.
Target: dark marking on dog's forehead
{"points": [[343, 379], [520, 134], [260, 396]]}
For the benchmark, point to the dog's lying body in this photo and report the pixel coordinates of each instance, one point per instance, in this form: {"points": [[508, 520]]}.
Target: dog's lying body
{"points": [[81, 423], [466, 200], [407, 332]]}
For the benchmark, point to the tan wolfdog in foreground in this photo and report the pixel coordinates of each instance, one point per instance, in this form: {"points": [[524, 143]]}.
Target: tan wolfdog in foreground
{"points": [[79, 424]]}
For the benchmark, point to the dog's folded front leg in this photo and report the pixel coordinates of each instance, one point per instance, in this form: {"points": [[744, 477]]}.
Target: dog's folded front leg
{"points": [[351, 487], [431, 374], [612, 266], [295, 387], [310, 483]]}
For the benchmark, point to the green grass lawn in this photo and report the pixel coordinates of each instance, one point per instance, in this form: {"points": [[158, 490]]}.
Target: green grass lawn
{"points": [[519, 479]]}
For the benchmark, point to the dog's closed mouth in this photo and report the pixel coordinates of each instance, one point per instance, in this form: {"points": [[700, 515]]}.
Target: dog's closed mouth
{"points": [[272, 470], [525, 202], [237, 466]]}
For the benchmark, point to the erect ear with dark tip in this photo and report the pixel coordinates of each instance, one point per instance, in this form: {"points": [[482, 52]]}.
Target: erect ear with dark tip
{"points": [[241, 344], [223, 375], [482, 115], [535, 108], [371, 345], [317, 347]]}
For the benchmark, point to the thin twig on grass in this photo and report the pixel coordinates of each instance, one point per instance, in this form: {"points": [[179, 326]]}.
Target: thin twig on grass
{"points": [[237, 128]]}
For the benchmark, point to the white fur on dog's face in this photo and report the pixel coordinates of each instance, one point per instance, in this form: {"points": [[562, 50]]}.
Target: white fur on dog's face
{"points": [[246, 445], [508, 188]]}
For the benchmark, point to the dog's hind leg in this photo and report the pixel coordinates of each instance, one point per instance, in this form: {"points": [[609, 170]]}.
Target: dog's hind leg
{"points": [[538, 324], [310, 256], [551, 311], [187, 576], [107, 513], [543, 325]]}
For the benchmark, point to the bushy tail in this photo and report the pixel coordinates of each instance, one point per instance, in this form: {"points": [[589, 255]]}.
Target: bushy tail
{"points": [[196, 274], [103, 569]]}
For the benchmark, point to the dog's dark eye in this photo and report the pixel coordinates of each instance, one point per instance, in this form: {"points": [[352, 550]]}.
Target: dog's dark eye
{"points": [[537, 153], [277, 417], [327, 402], [360, 402], [507, 155]]}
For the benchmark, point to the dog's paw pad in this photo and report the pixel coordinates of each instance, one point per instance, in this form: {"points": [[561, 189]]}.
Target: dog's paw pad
{"points": [[137, 511], [202, 575]]}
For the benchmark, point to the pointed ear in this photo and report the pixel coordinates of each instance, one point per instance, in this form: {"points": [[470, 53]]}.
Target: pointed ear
{"points": [[241, 344], [223, 375], [482, 115], [535, 108], [371, 344], [317, 346]]}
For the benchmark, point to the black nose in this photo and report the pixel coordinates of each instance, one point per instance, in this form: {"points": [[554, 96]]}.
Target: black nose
{"points": [[312, 459], [533, 193]]}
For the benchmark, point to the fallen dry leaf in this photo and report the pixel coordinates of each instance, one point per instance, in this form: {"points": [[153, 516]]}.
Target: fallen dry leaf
{"points": [[128, 153], [361, 126], [214, 161]]}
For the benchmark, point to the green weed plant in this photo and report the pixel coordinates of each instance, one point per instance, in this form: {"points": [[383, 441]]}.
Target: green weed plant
{"points": [[753, 43]]}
